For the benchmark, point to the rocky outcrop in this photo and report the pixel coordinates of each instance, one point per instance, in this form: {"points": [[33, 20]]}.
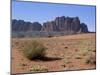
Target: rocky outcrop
{"points": [[49, 26], [84, 28], [21, 25], [69, 24]]}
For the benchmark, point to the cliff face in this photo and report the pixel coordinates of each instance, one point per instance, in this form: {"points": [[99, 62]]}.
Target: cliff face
{"points": [[68, 24], [20, 25], [65, 24]]}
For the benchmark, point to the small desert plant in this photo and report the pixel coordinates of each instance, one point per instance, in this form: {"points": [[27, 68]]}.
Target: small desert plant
{"points": [[38, 68], [33, 50], [91, 59]]}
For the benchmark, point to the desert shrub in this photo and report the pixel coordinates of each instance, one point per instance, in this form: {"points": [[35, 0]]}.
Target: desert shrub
{"points": [[91, 59], [38, 68], [33, 50]]}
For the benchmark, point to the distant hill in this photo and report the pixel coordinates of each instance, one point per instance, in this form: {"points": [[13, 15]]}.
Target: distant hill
{"points": [[60, 25], [21, 25], [70, 24]]}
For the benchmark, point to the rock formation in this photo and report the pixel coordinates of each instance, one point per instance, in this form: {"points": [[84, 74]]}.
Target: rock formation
{"points": [[65, 24], [20, 25], [68, 24]]}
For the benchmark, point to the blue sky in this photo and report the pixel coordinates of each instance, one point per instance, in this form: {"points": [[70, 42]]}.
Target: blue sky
{"points": [[42, 12]]}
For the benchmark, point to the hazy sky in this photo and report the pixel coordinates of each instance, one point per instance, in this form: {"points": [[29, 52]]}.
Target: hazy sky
{"points": [[42, 12]]}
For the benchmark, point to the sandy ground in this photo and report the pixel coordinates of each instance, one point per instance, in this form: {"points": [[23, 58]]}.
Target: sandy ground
{"points": [[64, 53]]}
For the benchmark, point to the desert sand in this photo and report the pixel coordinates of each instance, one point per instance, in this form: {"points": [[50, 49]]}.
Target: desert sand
{"points": [[64, 53]]}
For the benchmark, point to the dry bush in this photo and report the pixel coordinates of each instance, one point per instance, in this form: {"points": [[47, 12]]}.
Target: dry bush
{"points": [[34, 50], [91, 59], [38, 68]]}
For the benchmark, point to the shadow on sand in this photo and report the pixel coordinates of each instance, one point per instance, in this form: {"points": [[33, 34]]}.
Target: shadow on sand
{"points": [[47, 59]]}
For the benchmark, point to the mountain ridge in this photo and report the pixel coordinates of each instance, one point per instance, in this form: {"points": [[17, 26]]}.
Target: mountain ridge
{"points": [[68, 24]]}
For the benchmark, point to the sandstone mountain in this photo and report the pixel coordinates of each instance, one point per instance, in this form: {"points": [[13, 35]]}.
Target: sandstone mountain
{"points": [[65, 24], [21, 25], [68, 24]]}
